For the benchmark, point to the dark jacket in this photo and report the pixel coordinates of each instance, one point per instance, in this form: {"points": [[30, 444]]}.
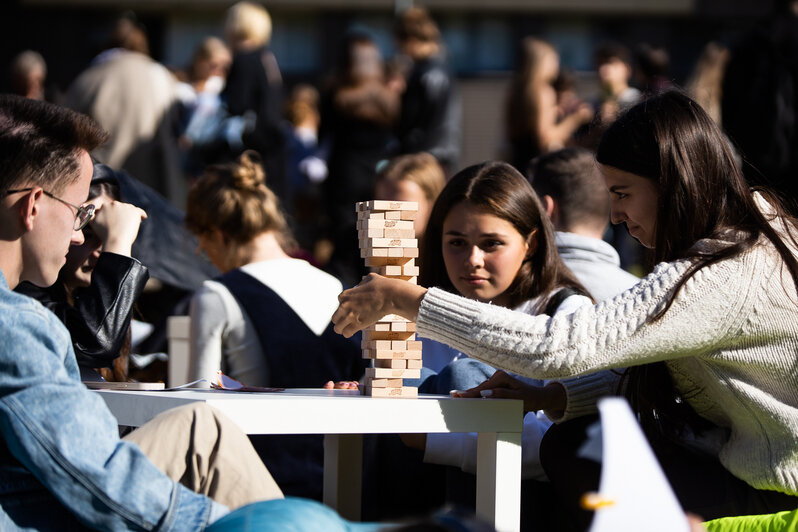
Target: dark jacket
{"points": [[99, 320]]}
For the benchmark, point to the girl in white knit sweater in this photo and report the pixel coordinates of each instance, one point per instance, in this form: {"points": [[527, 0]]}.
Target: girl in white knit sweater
{"points": [[719, 311]]}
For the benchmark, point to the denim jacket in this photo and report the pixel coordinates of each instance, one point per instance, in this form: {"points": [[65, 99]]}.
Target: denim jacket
{"points": [[54, 428]]}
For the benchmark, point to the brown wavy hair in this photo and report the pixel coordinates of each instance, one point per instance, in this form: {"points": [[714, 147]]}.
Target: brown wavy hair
{"points": [[499, 189], [671, 140]]}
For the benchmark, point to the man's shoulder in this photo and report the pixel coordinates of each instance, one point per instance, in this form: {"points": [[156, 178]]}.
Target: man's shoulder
{"points": [[16, 308]]}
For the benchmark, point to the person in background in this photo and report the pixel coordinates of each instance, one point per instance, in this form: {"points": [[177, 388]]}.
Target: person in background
{"points": [[575, 198], [266, 320], [306, 170], [202, 109], [614, 68], [134, 98], [413, 177], [254, 90], [652, 69], [531, 114], [358, 115], [98, 286], [431, 113], [705, 84], [28, 72]]}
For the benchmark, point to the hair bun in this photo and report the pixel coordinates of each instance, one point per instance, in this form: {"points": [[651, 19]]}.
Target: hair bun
{"points": [[248, 174]]}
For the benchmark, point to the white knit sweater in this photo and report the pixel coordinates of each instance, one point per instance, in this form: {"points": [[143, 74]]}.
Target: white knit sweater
{"points": [[730, 339]]}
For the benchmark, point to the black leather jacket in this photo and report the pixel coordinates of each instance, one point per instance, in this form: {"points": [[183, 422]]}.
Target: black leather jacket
{"points": [[100, 318]]}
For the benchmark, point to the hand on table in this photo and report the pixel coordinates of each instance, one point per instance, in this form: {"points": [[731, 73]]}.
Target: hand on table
{"points": [[116, 224], [341, 385], [373, 298], [502, 386]]}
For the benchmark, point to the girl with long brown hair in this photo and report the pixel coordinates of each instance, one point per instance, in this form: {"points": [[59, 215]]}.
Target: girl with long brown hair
{"points": [[717, 317]]}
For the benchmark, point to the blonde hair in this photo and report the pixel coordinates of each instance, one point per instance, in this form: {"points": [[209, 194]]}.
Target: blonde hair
{"points": [[248, 22], [234, 199], [419, 168]]}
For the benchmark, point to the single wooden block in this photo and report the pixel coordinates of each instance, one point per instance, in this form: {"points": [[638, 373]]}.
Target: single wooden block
{"points": [[391, 363], [389, 335], [391, 354], [407, 215], [373, 261], [410, 270], [392, 318], [375, 345], [385, 383], [373, 252], [363, 234], [396, 252], [398, 345], [397, 233], [404, 391], [390, 205], [412, 345], [388, 373], [410, 252], [393, 215], [366, 215], [390, 270], [389, 242], [382, 223], [380, 327], [414, 363]]}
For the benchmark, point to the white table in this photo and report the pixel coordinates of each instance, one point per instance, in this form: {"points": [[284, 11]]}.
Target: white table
{"points": [[343, 417]]}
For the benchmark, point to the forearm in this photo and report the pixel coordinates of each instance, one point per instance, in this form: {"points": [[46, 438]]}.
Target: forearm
{"points": [[101, 315], [615, 333]]}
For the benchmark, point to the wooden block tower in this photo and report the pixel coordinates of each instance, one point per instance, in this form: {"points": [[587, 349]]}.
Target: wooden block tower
{"points": [[388, 244]]}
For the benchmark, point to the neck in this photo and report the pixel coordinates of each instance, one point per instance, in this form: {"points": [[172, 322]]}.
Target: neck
{"points": [[10, 264], [585, 230], [263, 247]]}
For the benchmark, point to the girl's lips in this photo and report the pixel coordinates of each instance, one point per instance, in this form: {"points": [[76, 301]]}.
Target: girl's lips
{"points": [[475, 280]]}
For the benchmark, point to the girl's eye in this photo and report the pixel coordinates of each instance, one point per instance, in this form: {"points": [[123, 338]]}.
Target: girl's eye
{"points": [[620, 195], [456, 242], [491, 244]]}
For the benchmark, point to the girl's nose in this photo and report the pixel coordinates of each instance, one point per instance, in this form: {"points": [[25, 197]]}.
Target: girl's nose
{"points": [[476, 257], [617, 216]]}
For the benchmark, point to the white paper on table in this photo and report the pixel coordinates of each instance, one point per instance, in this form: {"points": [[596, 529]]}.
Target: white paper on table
{"points": [[632, 482]]}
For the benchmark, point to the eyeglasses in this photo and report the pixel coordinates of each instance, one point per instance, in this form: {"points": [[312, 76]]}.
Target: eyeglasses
{"points": [[83, 214]]}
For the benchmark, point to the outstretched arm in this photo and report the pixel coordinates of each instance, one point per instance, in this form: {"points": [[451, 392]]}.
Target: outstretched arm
{"points": [[373, 298]]}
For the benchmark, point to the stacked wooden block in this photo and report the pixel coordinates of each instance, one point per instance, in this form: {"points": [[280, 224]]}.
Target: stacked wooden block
{"points": [[389, 247]]}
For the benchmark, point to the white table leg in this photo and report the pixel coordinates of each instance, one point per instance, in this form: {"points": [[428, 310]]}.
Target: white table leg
{"points": [[499, 479], [343, 473]]}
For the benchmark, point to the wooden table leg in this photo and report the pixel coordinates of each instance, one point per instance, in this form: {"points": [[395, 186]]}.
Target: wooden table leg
{"points": [[343, 473], [499, 479]]}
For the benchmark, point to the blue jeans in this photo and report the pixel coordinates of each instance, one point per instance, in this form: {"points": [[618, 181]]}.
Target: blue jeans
{"points": [[460, 374], [287, 515]]}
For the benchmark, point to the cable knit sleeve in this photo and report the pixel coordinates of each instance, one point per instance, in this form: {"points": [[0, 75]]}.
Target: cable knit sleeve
{"points": [[615, 333]]}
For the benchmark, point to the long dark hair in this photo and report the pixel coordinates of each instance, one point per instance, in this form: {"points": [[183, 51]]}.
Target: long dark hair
{"points": [[498, 188], [671, 140]]}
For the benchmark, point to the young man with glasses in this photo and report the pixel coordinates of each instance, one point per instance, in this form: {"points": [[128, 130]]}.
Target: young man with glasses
{"points": [[62, 464]]}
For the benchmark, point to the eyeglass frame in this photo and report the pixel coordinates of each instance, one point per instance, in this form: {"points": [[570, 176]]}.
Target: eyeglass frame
{"points": [[86, 210]]}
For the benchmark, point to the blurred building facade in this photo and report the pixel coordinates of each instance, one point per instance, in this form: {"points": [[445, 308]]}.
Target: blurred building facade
{"points": [[480, 35]]}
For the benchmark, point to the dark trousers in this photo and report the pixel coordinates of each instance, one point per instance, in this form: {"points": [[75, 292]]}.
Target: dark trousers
{"points": [[702, 485]]}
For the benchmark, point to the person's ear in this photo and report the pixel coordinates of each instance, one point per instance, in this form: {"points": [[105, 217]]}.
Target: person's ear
{"points": [[29, 208], [548, 204]]}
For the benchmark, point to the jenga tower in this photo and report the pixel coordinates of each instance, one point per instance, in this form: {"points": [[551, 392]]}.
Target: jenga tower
{"points": [[388, 243]]}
